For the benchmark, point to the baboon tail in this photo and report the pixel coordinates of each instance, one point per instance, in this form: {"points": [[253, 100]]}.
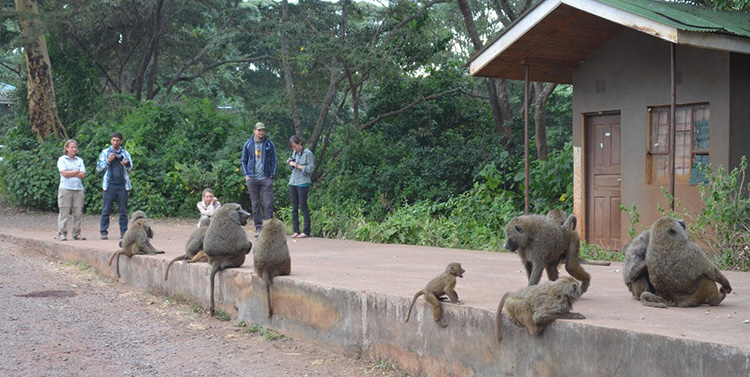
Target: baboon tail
{"points": [[416, 295], [215, 268], [594, 262], [267, 280], [166, 273], [113, 256], [499, 319]]}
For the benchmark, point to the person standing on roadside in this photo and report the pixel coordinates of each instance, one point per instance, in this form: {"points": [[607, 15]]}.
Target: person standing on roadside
{"points": [[70, 191], [302, 163], [116, 163], [259, 168]]}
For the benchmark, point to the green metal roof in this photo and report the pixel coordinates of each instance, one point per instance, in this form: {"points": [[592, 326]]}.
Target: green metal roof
{"points": [[688, 17]]}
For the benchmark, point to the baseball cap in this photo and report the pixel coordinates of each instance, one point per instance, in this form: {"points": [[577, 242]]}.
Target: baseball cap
{"points": [[260, 126]]}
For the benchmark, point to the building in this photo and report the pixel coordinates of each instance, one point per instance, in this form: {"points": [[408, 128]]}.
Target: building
{"points": [[625, 58]]}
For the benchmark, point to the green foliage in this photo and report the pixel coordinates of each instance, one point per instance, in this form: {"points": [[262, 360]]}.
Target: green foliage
{"points": [[222, 315], [724, 223], [596, 252], [634, 218]]}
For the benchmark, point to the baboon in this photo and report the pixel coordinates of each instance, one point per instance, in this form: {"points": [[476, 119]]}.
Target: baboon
{"points": [[634, 270], [537, 306], [271, 256], [443, 284], [680, 271], [225, 242], [137, 215], [193, 246], [557, 216], [542, 244], [136, 241]]}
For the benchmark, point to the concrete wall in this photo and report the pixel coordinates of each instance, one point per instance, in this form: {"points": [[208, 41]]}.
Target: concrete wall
{"points": [[372, 325], [635, 68]]}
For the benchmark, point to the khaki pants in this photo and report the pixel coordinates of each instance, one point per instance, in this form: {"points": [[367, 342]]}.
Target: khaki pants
{"points": [[70, 203]]}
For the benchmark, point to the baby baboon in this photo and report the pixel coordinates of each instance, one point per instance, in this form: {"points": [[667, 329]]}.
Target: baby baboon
{"points": [[136, 241], [680, 271], [537, 306], [543, 244], [137, 215], [634, 270], [193, 246], [443, 284], [225, 242], [271, 256]]}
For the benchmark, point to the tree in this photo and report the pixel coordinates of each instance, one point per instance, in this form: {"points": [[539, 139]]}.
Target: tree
{"points": [[43, 115]]}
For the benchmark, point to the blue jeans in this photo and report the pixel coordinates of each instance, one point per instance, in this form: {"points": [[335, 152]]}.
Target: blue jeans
{"points": [[261, 195], [109, 196], [298, 195]]}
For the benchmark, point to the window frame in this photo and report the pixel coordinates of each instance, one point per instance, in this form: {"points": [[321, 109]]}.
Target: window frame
{"points": [[652, 111]]}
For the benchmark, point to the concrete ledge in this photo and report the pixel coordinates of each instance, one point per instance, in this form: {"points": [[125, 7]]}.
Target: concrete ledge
{"points": [[353, 320]]}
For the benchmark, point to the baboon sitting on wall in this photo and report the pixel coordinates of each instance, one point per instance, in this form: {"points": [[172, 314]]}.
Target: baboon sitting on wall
{"points": [[680, 271], [136, 241], [271, 256], [537, 306], [542, 244], [135, 216], [634, 271], [193, 246], [443, 284], [225, 242]]}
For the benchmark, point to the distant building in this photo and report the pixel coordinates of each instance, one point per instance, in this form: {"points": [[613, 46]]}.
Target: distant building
{"points": [[623, 57], [6, 98]]}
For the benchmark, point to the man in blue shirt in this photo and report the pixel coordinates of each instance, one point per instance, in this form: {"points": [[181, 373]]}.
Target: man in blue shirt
{"points": [[259, 169], [116, 163]]}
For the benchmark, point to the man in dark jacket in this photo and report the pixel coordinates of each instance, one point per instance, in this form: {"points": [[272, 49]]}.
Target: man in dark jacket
{"points": [[259, 169]]}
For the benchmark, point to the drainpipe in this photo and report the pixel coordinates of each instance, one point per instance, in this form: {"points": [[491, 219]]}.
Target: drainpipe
{"points": [[672, 112], [526, 136]]}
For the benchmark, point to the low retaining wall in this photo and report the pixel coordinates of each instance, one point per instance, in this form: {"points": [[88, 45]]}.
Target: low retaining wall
{"points": [[372, 324]]}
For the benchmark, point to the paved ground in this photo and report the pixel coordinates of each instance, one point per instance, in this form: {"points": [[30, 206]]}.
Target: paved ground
{"points": [[402, 270]]}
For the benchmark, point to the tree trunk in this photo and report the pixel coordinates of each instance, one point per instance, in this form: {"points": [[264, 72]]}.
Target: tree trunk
{"points": [[542, 92], [43, 115], [499, 116], [287, 70]]}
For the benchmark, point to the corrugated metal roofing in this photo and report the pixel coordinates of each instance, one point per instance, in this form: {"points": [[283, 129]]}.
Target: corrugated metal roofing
{"points": [[687, 17]]}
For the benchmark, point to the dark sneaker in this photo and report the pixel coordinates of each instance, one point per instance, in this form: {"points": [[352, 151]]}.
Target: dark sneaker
{"points": [[79, 238], [104, 236]]}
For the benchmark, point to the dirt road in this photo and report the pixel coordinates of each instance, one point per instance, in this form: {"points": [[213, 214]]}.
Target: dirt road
{"points": [[62, 319]]}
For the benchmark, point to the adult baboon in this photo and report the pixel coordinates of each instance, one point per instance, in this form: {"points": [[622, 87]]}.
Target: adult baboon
{"points": [[537, 306], [136, 241], [271, 256], [225, 242], [443, 284], [542, 244], [193, 246], [634, 271], [680, 271]]}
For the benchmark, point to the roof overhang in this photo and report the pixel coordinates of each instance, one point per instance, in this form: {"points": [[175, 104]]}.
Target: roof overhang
{"points": [[555, 36]]}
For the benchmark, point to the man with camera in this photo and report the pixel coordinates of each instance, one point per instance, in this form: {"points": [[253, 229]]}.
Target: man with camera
{"points": [[259, 168], [116, 163]]}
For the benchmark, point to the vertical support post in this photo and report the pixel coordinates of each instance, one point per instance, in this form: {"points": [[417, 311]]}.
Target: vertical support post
{"points": [[672, 112], [526, 136]]}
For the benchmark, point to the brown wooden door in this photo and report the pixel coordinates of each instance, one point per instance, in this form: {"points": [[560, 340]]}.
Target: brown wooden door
{"points": [[603, 178]]}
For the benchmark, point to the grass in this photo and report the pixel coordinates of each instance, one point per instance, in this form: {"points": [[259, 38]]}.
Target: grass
{"points": [[268, 335]]}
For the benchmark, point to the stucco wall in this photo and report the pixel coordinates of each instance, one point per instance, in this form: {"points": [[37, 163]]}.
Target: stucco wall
{"points": [[635, 69]]}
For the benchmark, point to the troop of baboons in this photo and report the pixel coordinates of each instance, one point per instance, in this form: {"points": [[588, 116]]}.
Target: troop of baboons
{"points": [[662, 267]]}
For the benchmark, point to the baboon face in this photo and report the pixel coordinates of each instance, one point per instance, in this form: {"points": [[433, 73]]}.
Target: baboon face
{"points": [[572, 287], [455, 269], [515, 236], [237, 214]]}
